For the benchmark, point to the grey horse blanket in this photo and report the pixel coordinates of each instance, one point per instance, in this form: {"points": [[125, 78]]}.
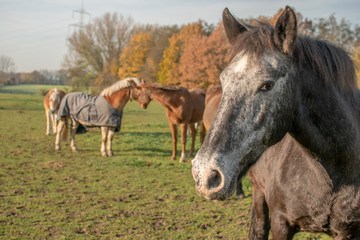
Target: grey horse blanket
{"points": [[92, 110]]}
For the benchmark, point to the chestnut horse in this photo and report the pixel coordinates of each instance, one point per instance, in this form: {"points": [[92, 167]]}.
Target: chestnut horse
{"points": [[183, 107], [212, 100], [280, 84], [51, 104], [104, 111]]}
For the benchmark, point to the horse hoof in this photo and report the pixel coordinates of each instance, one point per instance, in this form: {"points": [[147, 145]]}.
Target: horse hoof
{"points": [[173, 158], [240, 197], [74, 150], [104, 155], [57, 148], [110, 154]]}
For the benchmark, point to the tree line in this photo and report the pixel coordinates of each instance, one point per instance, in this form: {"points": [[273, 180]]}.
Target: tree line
{"points": [[113, 47]]}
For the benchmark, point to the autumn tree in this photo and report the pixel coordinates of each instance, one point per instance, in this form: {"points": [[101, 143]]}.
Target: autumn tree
{"points": [[356, 58], [159, 36], [169, 66], [7, 69], [133, 57], [94, 50], [203, 59]]}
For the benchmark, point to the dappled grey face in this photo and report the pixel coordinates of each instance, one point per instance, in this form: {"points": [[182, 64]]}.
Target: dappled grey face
{"points": [[255, 101]]}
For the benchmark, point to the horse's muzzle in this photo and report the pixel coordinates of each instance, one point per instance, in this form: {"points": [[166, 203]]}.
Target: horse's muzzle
{"points": [[211, 183]]}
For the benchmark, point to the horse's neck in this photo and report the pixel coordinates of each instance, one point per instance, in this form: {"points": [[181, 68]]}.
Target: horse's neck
{"points": [[163, 97], [329, 125], [118, 99]]}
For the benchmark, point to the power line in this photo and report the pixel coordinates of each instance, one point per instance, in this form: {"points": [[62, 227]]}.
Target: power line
{"points": [[81, 12]]}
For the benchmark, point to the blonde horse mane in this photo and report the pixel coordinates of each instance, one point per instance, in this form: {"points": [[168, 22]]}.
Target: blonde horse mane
{"points": [[118, 86]]}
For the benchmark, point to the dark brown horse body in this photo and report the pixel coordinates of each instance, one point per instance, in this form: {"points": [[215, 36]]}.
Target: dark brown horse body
{"points": [[300, 93], [289, 181], [183, 107]]}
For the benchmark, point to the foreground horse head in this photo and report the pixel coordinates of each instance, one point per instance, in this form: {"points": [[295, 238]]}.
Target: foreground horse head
{"points": [[277, 82]]}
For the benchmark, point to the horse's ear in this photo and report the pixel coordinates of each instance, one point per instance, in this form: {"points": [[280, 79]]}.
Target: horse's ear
{"points": [[133, 84], [232, 27], [286, 30]]}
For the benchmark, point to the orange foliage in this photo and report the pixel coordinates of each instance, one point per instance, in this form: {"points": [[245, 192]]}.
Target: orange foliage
{"points": [[133, 57], [169, 66], [203, 59], [356, 59]]}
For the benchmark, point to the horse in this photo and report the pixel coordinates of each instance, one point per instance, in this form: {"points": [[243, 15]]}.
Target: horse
{"points": [[212, 100], [51, 104], [279, 82], [183, 107], [104, 111]]}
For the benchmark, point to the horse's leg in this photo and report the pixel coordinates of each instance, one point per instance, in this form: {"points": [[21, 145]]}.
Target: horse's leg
{"points": [[110, 136], [183, 141], [193, 136], [74, 126], [260, 224], [174, 132], [53, 121], [58, 132], [239, 191], [104, 133], [280, 228], [202, 132], [47, 114]]}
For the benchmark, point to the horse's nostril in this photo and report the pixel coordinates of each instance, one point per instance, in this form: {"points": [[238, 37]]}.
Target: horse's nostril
{"points": [[214, 179]]}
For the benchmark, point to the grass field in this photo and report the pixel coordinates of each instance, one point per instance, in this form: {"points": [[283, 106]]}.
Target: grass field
{"points": [[32, 89], [137, 194]]}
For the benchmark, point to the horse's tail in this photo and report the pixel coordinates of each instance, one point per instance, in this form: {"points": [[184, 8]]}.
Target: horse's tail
{"points": [[64, 131]]}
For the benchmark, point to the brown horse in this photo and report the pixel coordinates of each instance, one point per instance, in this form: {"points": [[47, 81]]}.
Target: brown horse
{"points": [[212, 100], [183, 107], [51, 104], [103, 111]]}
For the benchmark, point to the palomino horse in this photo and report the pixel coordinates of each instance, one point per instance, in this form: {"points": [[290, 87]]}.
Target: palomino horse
{"points": [[212, 100], [51, 104], [276, 83], [103, 111], [183, 107]]}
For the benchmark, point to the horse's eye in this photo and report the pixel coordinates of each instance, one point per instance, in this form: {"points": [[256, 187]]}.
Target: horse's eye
{"points": [[267, 86]]}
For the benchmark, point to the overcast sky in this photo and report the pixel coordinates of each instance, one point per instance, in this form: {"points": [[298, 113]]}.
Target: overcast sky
{"points": [[34, 32]]}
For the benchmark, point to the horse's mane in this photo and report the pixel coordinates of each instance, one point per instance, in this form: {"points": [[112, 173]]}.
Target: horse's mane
{"points": [[163, 87], [332, 64], [118, 86]]}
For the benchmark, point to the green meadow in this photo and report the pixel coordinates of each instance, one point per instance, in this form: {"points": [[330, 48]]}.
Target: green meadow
{"points": [[137, 194]]}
